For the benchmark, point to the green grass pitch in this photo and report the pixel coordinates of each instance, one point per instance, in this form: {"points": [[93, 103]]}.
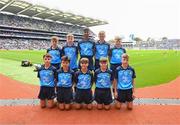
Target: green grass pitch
{"points": [[152, 67]]}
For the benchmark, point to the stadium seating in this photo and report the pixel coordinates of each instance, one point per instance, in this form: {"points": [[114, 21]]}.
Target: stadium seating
{"points": [[27, 33]]}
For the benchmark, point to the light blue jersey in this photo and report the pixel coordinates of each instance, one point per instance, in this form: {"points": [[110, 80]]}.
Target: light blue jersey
{"points": [[84, 81], [103, 79], [86, 48], [47, 76], [56, 55], [101, 50], [72, 53], [65, 79], [125, 77], [115, 55]]}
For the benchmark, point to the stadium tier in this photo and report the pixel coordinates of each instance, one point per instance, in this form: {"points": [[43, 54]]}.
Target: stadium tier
{"points": [[22, 22], [30, 33]]}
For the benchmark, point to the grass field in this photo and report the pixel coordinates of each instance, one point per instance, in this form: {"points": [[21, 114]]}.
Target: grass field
{"points": [[152, 67]]}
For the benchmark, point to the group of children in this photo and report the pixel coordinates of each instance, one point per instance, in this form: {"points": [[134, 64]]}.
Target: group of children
{"points": [[62, 75]]}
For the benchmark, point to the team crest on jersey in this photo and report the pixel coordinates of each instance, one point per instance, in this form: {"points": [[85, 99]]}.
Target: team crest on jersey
{"points": [[50, 73], [130, 73], [57, 52]]}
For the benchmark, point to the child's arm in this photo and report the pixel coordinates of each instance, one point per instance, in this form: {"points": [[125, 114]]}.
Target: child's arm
{"points": [[95, 77], [92, 79], [75, 79], [115, 86], [110, 54], [133, 82], [133, 89], [38, 70], [55, 77]]}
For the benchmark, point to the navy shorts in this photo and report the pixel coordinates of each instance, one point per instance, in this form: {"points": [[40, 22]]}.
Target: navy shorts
{"points": [[114, 66], [46, 93], [103, 96], [57, 66], [125, 95], [97, 64], [83, 96], [64, 95]]}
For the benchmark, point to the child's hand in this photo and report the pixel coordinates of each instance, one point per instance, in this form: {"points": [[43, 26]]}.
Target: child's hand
{"points": [[133, 93], [115, 94], [133, 90]]}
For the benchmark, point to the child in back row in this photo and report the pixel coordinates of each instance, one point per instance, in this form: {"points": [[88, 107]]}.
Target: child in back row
{"points": [[101, 48], [115, 55], [86, 48], [71, 51], [55, 52]]}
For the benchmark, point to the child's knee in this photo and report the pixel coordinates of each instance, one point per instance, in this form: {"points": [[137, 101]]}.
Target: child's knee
{"points": [[130, 108], [107, 107], [78, 106], [43, 106], [61, 106], [50, 104], [67, 106], [99, 106], [89, 106], [118, 105], [130, 105], [42, 103]]}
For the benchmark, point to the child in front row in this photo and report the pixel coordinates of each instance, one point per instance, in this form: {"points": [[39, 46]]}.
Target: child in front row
{"points": [[124, 84], [84, 81], [103, 79], [47, 75], [65, 78]]}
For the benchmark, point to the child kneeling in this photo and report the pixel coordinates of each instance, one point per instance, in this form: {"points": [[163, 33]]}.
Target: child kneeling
{"points": [[84, 81], [65, 78], [103, 78], [47, 75]]}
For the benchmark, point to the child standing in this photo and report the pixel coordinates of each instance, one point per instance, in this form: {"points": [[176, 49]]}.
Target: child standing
{"points": [[71, 51], [55, 52], [86, 48], [101, 48]]}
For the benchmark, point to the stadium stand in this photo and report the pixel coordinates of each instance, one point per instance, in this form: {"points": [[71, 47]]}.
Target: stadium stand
{"points": [[27, 26]]}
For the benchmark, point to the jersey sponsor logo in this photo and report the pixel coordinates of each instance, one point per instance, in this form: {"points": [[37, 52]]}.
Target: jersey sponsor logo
{"points": [[84, 81], [55, 56], [102, 50], [86, 48], [64, 79], [103, 80], [116, 55], [70, 52], [46, 77], [125, 79]]}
